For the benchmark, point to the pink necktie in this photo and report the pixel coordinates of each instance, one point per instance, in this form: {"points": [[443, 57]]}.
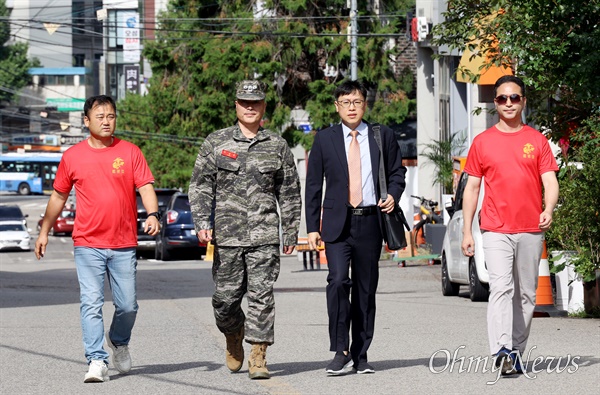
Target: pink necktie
{"points": [[355, 190]]}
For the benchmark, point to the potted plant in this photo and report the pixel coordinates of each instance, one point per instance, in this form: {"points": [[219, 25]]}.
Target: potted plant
{"points": [[576, 220], [439, 153]]}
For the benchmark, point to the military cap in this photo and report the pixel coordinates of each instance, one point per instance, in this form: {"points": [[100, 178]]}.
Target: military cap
{"points": [[250, 90]]}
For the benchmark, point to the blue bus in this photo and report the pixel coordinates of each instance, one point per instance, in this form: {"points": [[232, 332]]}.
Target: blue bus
{"points": [[27, 173]]}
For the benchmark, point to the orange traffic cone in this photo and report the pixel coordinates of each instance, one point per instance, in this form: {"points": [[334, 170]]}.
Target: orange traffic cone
{"points": [[544, 301]]}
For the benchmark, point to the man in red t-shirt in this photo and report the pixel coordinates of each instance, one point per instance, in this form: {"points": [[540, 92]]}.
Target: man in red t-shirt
{"points": [[105, 172], [514, 161]]}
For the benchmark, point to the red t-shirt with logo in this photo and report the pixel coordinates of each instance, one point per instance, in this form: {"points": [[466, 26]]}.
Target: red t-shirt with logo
{"points": [[105, 181], [511, 165]]}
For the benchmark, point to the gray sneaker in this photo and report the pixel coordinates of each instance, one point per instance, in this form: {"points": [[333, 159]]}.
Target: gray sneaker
{"points": [[97, 372], [120, 356]]}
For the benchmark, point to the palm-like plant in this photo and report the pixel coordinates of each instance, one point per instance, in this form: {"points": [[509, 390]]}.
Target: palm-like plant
{"points": [[439, 153]]}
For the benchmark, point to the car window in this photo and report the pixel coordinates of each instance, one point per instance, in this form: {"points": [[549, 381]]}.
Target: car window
{"points": [[460, 189], [163, 197], [11, 227], [9, 211], [182, 203], [163, 200], [68, 214]]}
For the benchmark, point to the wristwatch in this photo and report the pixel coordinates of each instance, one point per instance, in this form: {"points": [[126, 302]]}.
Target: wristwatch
{"points": [[155, 214]]}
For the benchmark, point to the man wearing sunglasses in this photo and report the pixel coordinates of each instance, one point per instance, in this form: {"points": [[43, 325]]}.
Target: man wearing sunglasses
{"points": [[515, 162]]}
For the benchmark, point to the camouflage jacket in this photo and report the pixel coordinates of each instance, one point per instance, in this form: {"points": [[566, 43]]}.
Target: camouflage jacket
{"points": [[246, 179]]}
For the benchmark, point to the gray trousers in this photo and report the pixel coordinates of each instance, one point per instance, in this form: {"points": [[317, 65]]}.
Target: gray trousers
{"points": [[240, 270], [513, 262]]}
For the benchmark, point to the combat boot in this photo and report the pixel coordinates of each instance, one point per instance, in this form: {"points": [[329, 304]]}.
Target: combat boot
{"points": [[234, 355], [257, 362]]}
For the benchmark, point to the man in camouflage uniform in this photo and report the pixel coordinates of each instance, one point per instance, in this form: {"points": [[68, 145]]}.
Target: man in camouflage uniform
{"points": [[244, 171]]}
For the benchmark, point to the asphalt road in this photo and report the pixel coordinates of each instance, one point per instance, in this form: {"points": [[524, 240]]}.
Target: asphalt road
{"points": [[424, 343]]}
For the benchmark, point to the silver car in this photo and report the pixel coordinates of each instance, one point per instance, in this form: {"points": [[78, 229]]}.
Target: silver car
{"points": [[458, 269], [14, 236]]}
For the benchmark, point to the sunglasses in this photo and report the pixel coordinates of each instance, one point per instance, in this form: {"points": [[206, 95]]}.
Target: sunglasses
{"points": [[514, 99]]}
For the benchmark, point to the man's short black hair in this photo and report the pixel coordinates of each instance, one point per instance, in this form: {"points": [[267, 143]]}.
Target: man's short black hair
{"points": [[348, 86], [509, 78], [99, 100]]}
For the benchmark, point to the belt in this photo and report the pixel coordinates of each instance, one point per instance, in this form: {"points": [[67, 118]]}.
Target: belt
{"points": [[368, 210]]}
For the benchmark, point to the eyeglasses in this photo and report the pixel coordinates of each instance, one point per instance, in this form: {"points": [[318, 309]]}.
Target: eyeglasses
{"points": [[514, 99], [347, 103]]}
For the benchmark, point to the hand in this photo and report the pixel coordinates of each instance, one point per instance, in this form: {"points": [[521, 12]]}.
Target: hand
{"points": [[468, 245], [545, 221], [152, 226], [205, 236], [387, 206], [40, 246], [314, 240], [287, 250]]}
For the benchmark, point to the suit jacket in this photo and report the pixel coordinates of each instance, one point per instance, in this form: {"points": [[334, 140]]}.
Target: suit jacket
{"points": [[328, 160]]}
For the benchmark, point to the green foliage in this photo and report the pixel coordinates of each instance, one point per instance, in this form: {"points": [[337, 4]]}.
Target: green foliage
{"points": [[204, 47], [14, 64], [576, 220], [439, 153], [553, 45], [294, 137]]}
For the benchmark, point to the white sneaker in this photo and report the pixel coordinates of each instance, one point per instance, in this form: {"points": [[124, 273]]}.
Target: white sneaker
{"points": [[97, 372], [120, 357]]}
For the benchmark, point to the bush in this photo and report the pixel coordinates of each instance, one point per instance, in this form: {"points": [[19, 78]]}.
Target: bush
{"points": [[576, 220]]}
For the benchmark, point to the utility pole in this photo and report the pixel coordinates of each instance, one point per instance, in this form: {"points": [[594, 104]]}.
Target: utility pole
{"points": [[353, 42]]}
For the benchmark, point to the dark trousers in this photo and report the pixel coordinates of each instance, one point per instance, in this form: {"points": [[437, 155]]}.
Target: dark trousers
{"points": [[351, 300]]}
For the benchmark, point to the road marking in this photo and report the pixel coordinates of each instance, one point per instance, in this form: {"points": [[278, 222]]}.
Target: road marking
{"points": [[34, 205]]}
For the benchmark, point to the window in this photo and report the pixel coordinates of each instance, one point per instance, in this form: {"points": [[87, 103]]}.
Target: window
{"points": [[78, 15], [65, 80], [79, 60]]}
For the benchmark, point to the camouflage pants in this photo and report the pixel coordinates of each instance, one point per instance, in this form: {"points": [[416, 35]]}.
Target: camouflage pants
{"points": [[240, 270]]}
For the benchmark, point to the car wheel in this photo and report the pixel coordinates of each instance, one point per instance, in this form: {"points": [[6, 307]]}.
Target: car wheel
{"points": [[448, 287], [52, 232], [477, 291]]}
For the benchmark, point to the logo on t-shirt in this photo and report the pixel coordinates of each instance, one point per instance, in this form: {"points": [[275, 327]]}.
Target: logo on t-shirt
{"points": [[117, 164], [528, 151]]}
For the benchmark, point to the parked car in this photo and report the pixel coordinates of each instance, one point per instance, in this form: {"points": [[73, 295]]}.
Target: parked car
{"points": [[145, 241], [12, 212], [14, 236], [458, 269], [64, 223], [177, 232]]}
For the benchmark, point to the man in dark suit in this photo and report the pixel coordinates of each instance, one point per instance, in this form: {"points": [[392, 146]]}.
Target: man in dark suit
{"points": [[352, 223]]}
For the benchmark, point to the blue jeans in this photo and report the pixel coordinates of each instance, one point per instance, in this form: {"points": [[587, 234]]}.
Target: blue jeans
{"points": [[92, 265]]}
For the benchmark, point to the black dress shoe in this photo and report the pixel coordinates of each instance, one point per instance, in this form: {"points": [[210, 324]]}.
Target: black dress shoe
{"points": [[341, 364]]}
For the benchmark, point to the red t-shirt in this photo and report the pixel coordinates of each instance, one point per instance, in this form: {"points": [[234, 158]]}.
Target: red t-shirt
{"points": [[512, 165], [105, 181]]}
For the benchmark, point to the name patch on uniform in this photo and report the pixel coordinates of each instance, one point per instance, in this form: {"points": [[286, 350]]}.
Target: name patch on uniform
{"points": [[229, 154]]}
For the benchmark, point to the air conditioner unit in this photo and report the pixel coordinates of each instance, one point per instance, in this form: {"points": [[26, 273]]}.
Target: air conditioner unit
{"points": [[422, 28]]}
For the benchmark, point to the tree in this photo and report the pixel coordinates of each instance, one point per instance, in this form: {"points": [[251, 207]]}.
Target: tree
{"points": [[553, 45], [298, 47], [14, 64]]}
